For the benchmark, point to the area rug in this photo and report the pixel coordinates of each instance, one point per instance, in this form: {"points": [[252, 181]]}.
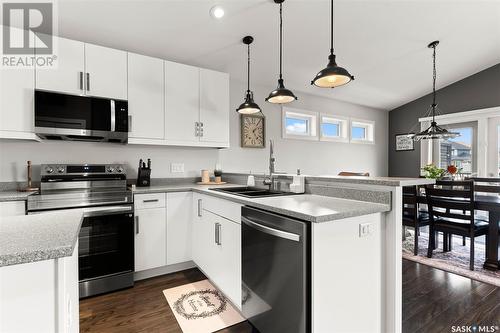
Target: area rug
{"points": [[200, 308], [456, 261]]}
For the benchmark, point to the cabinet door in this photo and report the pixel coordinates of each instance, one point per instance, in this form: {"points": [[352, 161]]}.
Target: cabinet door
{"points": [[68, 75], [182, 103], [150, 238], [145, 97], [16, 99], [106, 72], [214, 106], [12, 208], [179, 225], [201, 246], [225, 261]]}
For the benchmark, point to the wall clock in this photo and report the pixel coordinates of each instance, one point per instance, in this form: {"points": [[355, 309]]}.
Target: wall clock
{"points": [[253, 131]]}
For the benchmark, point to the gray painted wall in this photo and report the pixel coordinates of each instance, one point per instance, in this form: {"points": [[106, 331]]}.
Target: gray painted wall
{"points": [[478, 91]]}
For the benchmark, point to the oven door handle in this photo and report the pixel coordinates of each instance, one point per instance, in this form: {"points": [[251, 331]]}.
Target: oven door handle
{"points": [[89, 212], [271, 231]]}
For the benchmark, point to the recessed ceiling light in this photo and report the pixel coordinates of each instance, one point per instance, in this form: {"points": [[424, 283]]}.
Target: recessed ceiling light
{"points": [[217, 12]]}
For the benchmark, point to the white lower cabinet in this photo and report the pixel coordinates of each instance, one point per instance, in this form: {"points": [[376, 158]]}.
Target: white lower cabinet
{"points": [[217, 244], [40, 296], [150, 232], [179, 226], [12, 208], [225, 256]]}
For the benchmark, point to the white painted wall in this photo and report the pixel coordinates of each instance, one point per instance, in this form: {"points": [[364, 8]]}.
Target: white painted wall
{"points": [[14, 154], [312, 157], [315, 158]]}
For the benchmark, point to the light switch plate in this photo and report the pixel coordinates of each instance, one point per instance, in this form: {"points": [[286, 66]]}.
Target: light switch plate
{"points": [[177, 167], [365, 229]]}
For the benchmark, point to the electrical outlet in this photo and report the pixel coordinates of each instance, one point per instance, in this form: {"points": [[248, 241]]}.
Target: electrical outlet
{"points": [[365, 229], [177, 167]]}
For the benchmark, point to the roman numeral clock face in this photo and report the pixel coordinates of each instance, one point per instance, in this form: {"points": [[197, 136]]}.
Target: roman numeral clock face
{"points": [[252, 131]]}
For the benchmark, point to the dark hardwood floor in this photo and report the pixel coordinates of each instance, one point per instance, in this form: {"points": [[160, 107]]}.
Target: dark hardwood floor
{"points": [[433, 301]]}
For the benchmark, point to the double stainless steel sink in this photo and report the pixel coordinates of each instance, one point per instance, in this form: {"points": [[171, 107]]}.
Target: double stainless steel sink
{"points": [[250, 192]]}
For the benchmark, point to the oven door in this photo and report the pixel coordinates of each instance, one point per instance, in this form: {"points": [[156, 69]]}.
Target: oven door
{"points": [[106, 249]]}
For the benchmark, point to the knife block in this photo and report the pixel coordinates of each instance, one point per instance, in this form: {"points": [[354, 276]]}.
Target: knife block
{"points": [[143, 177]]}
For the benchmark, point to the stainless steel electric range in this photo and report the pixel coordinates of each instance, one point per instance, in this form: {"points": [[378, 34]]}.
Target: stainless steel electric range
{"points": [[106, 239]]}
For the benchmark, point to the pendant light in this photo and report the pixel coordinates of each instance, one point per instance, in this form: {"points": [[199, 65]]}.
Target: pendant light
{"points": [[248, 106], [281, 95], [434, 131], [333, 75]]}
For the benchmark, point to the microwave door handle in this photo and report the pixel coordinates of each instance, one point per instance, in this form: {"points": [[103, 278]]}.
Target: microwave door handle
{"points": [[113, 115], [271, 231]]}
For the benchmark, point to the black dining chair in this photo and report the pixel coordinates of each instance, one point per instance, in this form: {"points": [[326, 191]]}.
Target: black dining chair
{"points": [[451, 211], [487, 186], [412, 216]]}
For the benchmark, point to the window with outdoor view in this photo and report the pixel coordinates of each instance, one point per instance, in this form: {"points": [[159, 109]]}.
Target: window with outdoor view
{"points": [[458, 151]]}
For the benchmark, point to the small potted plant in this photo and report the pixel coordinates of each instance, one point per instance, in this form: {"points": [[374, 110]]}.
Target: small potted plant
{"points": [[218, 173], [433, 172]]}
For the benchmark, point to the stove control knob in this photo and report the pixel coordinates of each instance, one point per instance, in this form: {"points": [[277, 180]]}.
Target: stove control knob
{"points": [[60, 169], [49, 169], [111, 169], [119, 169]]}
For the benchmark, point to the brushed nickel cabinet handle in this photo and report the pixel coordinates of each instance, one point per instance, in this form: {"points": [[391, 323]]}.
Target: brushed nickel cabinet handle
{"points": [[81, 80], [136, 225], [88, 82], [150, 200], [200, 207]]}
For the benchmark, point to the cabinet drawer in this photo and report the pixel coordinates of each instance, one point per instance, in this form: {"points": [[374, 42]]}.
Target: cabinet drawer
{"points": [[229, 210], [150, 200]]}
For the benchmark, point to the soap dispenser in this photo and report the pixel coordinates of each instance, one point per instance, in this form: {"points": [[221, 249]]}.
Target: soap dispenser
{"points": [[298, 184]]}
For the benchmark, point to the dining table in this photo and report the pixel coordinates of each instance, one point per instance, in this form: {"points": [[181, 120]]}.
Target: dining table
{"points": [[489, 202]]}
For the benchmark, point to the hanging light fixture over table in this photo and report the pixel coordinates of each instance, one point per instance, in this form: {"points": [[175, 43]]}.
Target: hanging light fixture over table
{"points": [[281, 95], [333, 75], [434, 131], [248, 106]]}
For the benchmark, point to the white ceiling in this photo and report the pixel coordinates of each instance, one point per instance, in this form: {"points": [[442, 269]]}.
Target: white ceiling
{"points": [[382, 43]]}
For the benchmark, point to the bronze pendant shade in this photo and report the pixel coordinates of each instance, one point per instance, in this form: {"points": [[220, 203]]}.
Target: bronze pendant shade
{"points": [[248, 106], [333, 75], [281, 95]]}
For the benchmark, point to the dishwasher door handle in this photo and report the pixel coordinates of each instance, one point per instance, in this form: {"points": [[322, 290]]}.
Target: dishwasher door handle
{"points": [[271, 231]]}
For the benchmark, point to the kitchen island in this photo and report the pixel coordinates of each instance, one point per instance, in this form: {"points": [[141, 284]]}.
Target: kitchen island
{"points": [[39, 272], [355, 244]]}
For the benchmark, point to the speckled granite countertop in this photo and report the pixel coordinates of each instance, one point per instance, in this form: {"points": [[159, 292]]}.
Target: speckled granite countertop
{"points": [[14, 195], [309, 207], [30, 238]]}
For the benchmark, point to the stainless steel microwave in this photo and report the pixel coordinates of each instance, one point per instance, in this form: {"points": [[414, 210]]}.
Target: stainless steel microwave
{"points": [[80, 118]]}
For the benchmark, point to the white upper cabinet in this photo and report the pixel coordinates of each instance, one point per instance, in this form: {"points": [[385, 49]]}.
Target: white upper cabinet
{"points": [[146, 98], [68, 74], [16, 103], [106, 72], [182, 103], [214, 106]]}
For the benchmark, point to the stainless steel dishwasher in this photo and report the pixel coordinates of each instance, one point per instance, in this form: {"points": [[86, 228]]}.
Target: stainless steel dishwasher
{"points": [[275, 272]]}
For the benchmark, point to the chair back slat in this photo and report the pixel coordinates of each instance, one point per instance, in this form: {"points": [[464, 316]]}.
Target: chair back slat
{"points": [[486, 185], [451, 200], [410, 205]]}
